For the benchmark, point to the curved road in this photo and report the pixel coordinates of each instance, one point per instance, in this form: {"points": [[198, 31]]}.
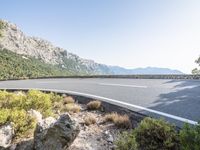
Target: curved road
{"points": [[177, 101]]}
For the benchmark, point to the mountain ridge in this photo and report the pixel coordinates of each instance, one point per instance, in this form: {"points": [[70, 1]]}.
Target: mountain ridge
{"points": [[13, 39]]}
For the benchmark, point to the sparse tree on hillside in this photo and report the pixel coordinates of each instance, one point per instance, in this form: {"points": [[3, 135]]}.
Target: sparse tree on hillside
{"points": [[196, 70]]}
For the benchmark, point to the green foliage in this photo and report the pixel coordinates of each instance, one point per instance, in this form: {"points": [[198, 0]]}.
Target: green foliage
{"points": [[4, 116], [126, 141], [14, 107], [196, 70], [34, 99], [23, 123], [154, 134], [190, 137], [55, 97], [15, 66], [39, 101]]}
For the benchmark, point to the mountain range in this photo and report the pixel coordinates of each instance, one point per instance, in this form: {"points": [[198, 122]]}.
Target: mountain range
{"points": [[15, 43]]}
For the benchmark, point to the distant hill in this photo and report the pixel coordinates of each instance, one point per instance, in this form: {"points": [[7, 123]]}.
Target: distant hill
{"points": [[147, 70], [25, 56]]}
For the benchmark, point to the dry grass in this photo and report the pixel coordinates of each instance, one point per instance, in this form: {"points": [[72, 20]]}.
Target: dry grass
{"points": [[121, 121], [68, 100], [74, 108], [111, 117], [94, 105], [89, 120], [57, 105]]}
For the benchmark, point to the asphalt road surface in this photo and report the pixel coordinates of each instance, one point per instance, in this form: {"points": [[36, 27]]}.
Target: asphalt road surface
{"points": [[177, 101]]}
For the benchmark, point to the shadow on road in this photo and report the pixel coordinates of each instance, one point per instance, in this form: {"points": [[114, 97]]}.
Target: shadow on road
{"points": [[184, 101]]}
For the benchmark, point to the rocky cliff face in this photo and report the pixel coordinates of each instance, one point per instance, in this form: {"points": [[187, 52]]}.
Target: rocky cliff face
{"points": [[15, 40]]}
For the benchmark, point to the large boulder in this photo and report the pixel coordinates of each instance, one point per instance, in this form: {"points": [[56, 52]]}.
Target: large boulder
{"points": [[6, 134], [59, 135]]}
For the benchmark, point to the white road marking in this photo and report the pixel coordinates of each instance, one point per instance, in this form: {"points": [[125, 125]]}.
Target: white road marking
{"points": [[123, 85], [47, 82], [115, 102]]}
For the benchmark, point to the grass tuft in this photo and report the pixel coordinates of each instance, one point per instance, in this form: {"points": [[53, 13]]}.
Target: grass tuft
{"points": [[121, 121], [94, 105], [74, 108], [89, 120], [68, 100]]}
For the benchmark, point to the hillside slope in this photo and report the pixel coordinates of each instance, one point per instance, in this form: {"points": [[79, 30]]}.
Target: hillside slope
{"points": [[16, 41], [13, 65]]}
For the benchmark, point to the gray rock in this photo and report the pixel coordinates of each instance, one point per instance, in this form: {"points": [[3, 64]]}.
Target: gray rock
{"points": [[36, 114], [25, 145], [56, 135], [6, 134], [109, 137]]}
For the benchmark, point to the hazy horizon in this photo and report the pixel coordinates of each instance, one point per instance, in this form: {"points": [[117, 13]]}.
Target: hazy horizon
{"points": [[130, 34]]}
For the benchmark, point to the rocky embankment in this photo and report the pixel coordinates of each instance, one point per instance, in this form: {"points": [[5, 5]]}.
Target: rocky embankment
{"points": [[73, 126]]}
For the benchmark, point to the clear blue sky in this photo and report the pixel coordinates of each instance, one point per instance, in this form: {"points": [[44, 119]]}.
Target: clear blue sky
{"points": [[128, 33]]}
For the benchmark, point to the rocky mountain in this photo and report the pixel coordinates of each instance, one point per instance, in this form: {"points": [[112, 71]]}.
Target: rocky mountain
{"points": [[147, 70], [15, 40], [43, 52]]}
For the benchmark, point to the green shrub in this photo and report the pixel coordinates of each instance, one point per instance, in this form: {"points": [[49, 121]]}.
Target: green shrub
{"points": [[126, 141], [39, 101], [23, 123], [4, 116], [12, 100], [153, 134], [190, 137], [55, 97]]}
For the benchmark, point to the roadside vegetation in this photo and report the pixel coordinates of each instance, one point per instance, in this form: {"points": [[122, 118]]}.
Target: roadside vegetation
{"points": [[94, 105], [121, 121], [196, 70], [154, 134], [14, 109], [150, 134]]}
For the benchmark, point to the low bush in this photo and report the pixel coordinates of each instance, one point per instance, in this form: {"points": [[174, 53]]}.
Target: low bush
{"points": [[39, 101], [126, 141], [190, 137], [74, 108], [88, 120], [24, 124], [34, 99], [55, 97], [121, 121], [4, 116], [153, 134], [94, 105], [68, 100]]}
